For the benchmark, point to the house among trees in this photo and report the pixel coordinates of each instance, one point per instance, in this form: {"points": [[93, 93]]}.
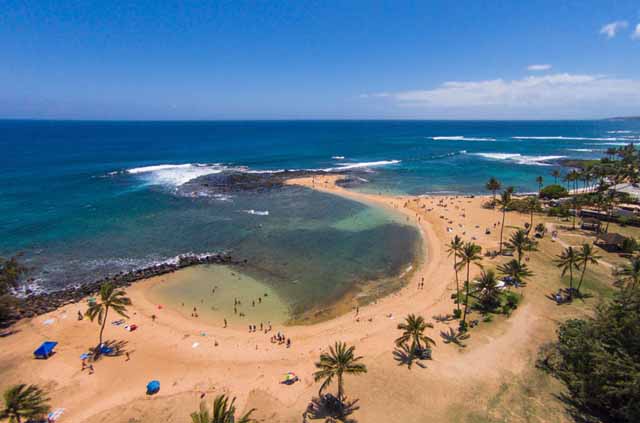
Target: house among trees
{"points": [[611, 241]]}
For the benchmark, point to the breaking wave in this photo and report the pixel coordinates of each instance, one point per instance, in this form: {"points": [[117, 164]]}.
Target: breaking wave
{"points": [[560, 137], [360, 165], [520, 159], [257, 212], [461, 138]]}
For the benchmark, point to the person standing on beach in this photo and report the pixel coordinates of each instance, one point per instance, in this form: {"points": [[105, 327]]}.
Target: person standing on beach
{"points": [[225, 322]]}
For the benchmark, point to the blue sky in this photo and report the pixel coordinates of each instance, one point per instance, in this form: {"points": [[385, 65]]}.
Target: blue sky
{"points": [[149, 59]]}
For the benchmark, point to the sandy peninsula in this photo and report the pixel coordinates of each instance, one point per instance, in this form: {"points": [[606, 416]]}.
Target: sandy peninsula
{"points": [[492, 379]]}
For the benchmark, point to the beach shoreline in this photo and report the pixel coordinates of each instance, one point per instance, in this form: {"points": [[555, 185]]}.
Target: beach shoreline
{"points": [[193, 359]]}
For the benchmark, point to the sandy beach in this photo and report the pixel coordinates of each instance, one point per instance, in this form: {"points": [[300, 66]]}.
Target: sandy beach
{"points": [[491, 378]]}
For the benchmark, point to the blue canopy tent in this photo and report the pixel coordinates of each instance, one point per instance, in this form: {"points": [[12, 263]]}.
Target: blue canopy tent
{"points": [[153, 387], [45, 350]]}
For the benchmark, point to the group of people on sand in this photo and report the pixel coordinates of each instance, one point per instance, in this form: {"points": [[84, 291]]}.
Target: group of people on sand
{"points": [[263, 328], [281, 339]]}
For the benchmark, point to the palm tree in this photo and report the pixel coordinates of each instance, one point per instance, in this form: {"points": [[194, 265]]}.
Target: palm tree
{"points": [[556, 174], [586, 256], [488, 291], [532, 205], [339, 361], [110, 297], [631, 272], [520, 242], [568, 261], [516, 270], [493, 185], [470, 254], [454, 248], [539, 180], [413, 330], [504, 202], [223, 412], [22, 401]]}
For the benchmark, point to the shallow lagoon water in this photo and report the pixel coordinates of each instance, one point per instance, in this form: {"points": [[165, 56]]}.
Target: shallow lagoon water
{"points": [[212, 290]]}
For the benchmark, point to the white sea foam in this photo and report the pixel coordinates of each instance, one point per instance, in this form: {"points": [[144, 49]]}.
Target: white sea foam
{"points": [[461, 138], [175, 174], [619, 132], [613, 143], [583, 150], [257, 212], [337, 157], [569, 138], [519, 158], [346, 166]]}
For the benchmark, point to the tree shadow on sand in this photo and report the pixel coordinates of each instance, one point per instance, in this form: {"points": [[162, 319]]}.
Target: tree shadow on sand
{"points": [[330, 409], [405, 356], [454, 337], [109, 348]]}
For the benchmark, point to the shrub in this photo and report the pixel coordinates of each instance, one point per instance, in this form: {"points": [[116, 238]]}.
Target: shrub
{"points": [[559, 211], [511, 302], [629, 245], [598, 359], [553, 192]]}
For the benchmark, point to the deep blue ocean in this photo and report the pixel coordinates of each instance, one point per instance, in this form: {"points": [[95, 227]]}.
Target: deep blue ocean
{"points": [[85, 199]]}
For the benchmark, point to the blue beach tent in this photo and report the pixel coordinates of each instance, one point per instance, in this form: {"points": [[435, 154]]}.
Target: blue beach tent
{"points": [[45, 350], [153, 387]]}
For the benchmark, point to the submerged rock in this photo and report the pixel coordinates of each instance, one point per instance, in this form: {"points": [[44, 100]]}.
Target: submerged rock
{"points": [[228, 182]]}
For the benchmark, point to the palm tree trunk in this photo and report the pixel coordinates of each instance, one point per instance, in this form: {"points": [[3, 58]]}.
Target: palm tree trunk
{"points": [[504, 212], [104, 321], [466, 297], [455, 266], [340, 391], [571, 282], [531, 222], [584, 268]]}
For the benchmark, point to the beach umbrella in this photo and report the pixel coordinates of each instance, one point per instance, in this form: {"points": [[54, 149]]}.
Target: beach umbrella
{"points": [[153, 387], [290, 377]]}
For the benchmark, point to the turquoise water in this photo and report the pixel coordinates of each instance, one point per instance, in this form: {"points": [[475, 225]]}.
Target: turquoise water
{"points": [[86, 199]]}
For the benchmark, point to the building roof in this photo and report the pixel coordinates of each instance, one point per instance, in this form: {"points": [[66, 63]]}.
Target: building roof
{"points": [[632, 190], [612, 238]]}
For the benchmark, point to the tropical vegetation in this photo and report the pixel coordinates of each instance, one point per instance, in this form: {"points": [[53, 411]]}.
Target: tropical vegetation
{"points": [[26, 402], [334, 365], [110, 298], [223, 411]]}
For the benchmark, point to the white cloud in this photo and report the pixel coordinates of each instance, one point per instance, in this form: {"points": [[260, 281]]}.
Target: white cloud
{"points": [[542, 95], [539, 67], [636, 33], [611, 29]]}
